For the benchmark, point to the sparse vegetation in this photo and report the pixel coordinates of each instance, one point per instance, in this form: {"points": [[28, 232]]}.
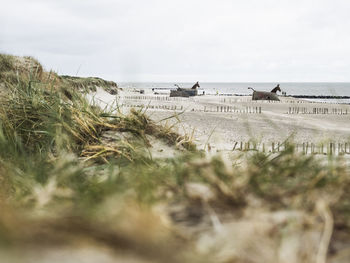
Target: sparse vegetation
{"points": [[89, 84], [64, 183], [6, 63]]}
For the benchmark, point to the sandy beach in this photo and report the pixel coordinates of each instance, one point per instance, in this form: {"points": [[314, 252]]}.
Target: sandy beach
{"points": [[222, 121]]}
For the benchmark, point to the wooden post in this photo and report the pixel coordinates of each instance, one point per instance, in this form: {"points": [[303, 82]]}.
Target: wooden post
{"points": [[234, 146], [328, 149]]}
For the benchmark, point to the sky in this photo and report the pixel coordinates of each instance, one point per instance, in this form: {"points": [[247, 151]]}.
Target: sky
{"points": [[183, 40]]}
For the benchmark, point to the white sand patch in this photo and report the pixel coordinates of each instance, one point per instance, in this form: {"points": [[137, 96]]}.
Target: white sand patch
{"points": [[102, 99]]}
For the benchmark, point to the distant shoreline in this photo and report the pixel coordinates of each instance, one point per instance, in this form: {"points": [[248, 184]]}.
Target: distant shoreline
{"points": [[294, 96], [318, 97], [310, 90]]}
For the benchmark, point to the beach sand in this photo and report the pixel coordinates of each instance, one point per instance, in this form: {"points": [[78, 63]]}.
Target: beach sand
{"points": [[224, 122], [238, 119]]}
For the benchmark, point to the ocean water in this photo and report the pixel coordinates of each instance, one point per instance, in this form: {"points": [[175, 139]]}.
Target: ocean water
{"points": [[291, 88]]}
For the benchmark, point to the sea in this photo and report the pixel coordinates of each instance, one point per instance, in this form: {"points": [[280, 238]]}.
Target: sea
{"points": [[241, 88]]}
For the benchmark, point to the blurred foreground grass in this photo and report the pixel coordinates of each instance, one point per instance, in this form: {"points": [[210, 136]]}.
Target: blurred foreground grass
{"points": [[73, 176]]}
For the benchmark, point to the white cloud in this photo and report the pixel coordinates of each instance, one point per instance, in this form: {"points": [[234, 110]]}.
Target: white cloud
{"points": [[183, 40]]}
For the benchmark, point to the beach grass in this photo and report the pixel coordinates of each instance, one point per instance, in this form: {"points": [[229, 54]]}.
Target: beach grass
{"points": [[88, 84]]}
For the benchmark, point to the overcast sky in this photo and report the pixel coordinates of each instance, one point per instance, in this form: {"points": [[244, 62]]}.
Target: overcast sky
{"points": [[183, 40]]}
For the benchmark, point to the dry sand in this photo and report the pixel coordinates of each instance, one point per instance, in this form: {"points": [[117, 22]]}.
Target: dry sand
{"points": [[223, 129]]}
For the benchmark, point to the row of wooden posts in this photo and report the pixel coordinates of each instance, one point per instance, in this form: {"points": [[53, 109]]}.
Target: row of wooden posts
{"points": [[238, 100], [158, 98], [250, 110], [330, 148], [295, 101], [301, 101], [234, 109], [160, 107], [304, 110]]}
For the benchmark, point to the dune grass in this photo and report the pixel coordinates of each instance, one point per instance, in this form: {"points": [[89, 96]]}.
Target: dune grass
{"points": [[40, 123], [6, 62], [89, 83]]}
